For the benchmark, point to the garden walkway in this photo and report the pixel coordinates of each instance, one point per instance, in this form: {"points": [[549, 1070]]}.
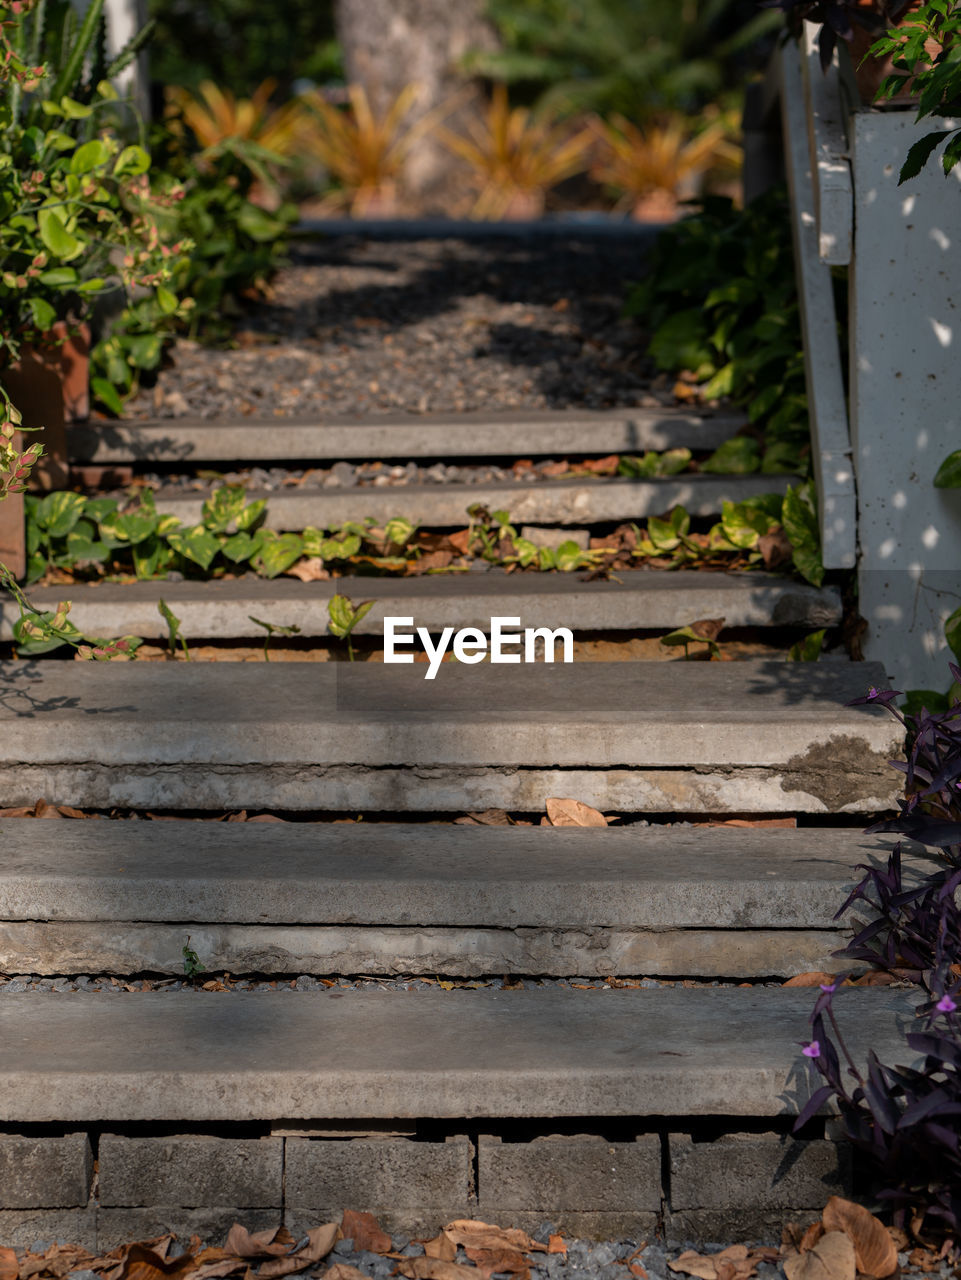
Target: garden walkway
{"points": [[574, 1023]]}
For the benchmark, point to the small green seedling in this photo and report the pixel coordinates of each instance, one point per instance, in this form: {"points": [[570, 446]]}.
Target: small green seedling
{"points": [[173, 630], [273, 629], [192, 966], [691, 635], [808, 648], [344, 616]]}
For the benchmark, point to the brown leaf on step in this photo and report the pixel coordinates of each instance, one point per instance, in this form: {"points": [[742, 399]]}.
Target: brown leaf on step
{"points": [[266, 817], [365, 1231], [637, 1270], [565, 812], [812, 1235], [556, 1244], [775, 548], [143, 1263], [732, 1263], [601, 466], [9, 1267], [344, 1271], [434, 1269], [442, 1247], [67, 811], [320, 1241], [708, 628], [501, 1261], [474, 1234], [19, 811], [691, 1263], [460, 540], [257, 1244], [750, 822], [875, 978], [874, 1250], [432, 560], [310, 569], [683, 391], [551, 469], [231, 817], [813, 978], [491, 818], [831, 1258]]}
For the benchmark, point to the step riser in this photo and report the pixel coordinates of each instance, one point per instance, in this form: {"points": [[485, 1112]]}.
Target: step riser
{"points": [[558, 435], [79, 947], [222, 610], [433, 789], [549, 502], [656, 1184]]}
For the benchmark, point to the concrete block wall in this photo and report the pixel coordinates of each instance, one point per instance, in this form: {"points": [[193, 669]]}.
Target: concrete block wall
{"points": [[735, 1187]]}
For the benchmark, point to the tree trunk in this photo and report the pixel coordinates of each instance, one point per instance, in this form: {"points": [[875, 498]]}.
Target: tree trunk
{"points": [[388, 44]]}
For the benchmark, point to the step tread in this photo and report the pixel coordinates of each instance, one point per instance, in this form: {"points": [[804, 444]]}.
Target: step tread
{"points": [[197, 1056], [656, 714], [635, 600], [549, 502], [400, 436], [433, 875]]}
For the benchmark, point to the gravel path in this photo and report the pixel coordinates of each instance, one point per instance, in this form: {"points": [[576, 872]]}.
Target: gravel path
{"points": [[357, 326]]}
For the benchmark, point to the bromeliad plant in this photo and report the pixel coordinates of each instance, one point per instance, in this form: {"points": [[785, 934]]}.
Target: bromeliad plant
{"points": [[905, 1119]]}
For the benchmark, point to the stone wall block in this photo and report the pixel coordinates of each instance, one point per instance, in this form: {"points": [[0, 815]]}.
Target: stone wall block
{"points": [[191, 1170]]}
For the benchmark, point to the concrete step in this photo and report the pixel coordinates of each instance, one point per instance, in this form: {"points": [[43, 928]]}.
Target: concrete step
{"points": [[521, 434], [752, 736], [394, 898], [633, 601], [195, 1056], [547, 502]]}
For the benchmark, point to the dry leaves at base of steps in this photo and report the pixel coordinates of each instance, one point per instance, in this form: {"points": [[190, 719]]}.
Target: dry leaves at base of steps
{"points": [[848, 1242], [737, 1262], [271, 1254]]}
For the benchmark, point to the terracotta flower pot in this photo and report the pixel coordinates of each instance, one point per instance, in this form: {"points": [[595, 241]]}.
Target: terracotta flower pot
{"points": [[49, 384]]}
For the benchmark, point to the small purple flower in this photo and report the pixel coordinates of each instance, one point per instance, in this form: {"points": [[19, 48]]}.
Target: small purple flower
{"points": [[872, 693], [812, 1050], [828, 987], [946, 1005]]}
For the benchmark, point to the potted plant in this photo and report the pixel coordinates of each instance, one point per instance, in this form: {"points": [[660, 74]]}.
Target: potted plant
{"points": [[75, 217]]}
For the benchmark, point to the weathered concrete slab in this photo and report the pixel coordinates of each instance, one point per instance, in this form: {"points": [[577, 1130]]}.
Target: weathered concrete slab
{"points": [[635, 601], [402, 436], [66, 948], [416, 876], [369, 736], [190, 1169], [195, 1056], [553, 502]]}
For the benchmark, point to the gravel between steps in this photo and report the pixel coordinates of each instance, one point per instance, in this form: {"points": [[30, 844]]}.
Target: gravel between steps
{"points": [[357, 326]]}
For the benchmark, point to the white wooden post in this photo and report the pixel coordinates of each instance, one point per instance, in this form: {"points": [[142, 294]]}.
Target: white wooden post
{"points": [[905, 358], [904, 396]]}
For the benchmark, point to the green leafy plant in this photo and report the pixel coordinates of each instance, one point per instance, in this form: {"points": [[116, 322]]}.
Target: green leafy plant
{"points": [[808, 648], [651, 464], [274, 629], [618, 56], [721, 302], [704, 633], [192, 966], [344, 615], [926, 53], [174, 635]]}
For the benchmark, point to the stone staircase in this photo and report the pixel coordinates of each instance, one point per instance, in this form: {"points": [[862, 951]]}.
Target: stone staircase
{"points": [[604, 1107]]}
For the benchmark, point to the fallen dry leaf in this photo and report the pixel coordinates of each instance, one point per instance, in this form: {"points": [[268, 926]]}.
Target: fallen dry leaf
{"points": [[344, 1271], [749, 822], [365, 1231], [813, 978], [876, 978], [460, 540], [499, 1261], [257, 1244], [564, 812], [320, 1241], [9, 1266], [310, 569], [556, 1244], [874, 1250], [600, 466], [831, 1258], [775, 547], [442, 1247], [487, 818], [726, 1265], [434, 1269], [473, 1234]]}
